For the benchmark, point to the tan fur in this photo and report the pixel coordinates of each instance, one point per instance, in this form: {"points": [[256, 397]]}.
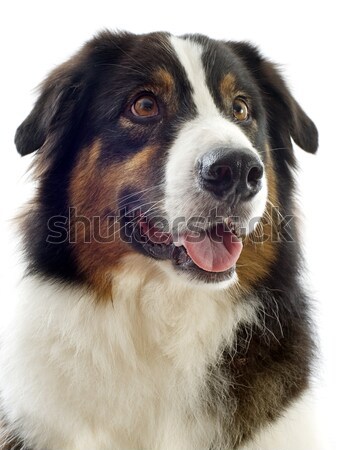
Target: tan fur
{"points": [[260, 247], [165, 80], [93, 193], [164, 87], [228, 86]]}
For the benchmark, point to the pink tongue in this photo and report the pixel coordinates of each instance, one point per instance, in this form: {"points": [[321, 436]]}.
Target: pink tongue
{"points": [[216, 250]]}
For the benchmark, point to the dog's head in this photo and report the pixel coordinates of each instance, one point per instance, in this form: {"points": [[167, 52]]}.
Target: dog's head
{"points": [[173, 148]]}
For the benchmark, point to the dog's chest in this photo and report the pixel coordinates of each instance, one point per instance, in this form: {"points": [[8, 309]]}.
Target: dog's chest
{"points": [[129, 373]]}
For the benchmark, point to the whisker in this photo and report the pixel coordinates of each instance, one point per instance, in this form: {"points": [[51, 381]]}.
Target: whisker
{"points": [[154, 206], [276, 209], [149, 189]]}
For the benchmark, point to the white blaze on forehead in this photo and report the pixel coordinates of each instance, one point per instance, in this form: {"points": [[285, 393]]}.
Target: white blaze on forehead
{"points": [[189, 54]]}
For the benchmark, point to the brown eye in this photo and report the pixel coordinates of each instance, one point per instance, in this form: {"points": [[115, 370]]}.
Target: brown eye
{"points": [[240, 110], [145, 106]]}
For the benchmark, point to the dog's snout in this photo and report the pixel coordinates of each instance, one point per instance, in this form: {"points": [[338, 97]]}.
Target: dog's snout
{"points": [[224, 172]]}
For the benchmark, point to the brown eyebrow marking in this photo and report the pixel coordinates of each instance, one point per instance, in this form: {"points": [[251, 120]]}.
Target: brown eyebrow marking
{"points": [[165, 79], [228, 86]]}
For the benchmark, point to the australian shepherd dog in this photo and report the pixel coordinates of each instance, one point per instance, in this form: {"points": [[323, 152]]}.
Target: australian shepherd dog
{"points": [[162, 305]]}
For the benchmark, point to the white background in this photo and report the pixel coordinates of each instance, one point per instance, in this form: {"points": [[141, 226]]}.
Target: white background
{"points": [[304, 37]]}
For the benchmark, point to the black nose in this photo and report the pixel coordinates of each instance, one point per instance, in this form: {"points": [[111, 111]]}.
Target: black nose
{"points": [[225, 172]]}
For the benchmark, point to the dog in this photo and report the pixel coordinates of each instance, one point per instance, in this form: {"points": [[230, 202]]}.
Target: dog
{"points": [[162, 305]]}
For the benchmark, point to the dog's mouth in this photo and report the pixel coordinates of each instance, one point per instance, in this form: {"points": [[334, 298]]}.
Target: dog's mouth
{"points": [[210, 254]]}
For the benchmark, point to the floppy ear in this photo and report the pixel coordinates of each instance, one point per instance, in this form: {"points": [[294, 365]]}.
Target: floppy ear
{"points": [[285, 116], [54, 110], [56, 116]]}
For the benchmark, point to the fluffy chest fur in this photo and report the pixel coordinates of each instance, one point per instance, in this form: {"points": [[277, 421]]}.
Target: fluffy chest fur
{"points": [[131, 373]]}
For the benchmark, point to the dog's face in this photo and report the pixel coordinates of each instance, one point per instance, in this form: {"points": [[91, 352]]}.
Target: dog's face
{"points": [[173, 148]]}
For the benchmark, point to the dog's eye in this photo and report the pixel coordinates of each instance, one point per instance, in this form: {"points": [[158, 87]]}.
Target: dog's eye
{"points": [[240, 110], [145, 106]]}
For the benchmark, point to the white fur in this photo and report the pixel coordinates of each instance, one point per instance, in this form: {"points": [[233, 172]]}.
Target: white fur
{"points": [[208, 131], [124, 375], [77, 374]]}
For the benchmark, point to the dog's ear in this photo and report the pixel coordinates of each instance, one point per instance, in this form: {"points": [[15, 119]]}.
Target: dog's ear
{"points": [[285, 116], [54, 110], [64, 96]]}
